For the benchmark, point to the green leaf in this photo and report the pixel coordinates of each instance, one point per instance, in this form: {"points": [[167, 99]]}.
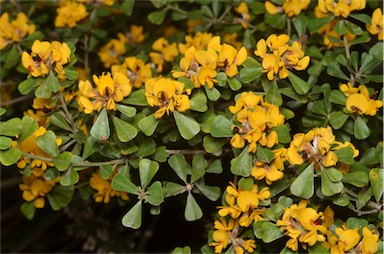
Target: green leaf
{"points": [[29, 126], [47, 142], [147, 170], [13, 57], [5, 143], [58, 120], [300, 23], [248, 75], [157, 17], [234, 84], [303, 185], [63, 161], [51, 173], [337, 119], [329, 188], [126, 110], [334, 70], [172, 189], [106, 171], [273, 95], [136, 98], [100, 129], [121, 183], [361, 17], [146, 148], [271, 232], [60, 196], [213, 94], [11, 128], [360, 129], [70, 177], [211, 192], [179, 165], [357, 178], [345, 155], [221, 127], [187, 127], [132, 219], [159, 3], [340, 27], [316, 24], [283, 134], [28, 209], [212, 145], [199, 102], [52, 82], [125, 131], [318, 248], [338, 97], [300, 86], [334, 174], [42, 90], [192, 209], [148, 124], [155, 195], [127, 7], [184, 250], [161, 154], [27, 85], [10, 156], [362, 198], [376, 177], [275, 212], [242, 164], [215, 167], [91, 146], [264, 154]]}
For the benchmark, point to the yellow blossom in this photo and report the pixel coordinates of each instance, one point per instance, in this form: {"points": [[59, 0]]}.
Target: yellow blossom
{"points": [[70, 13], [272, 171], [341, 8], [104, 189], [369, 243], [360, 102], [15, 30], [109, 54], [45, 57], [167, 95], [348, 238], [35, 188], [109, 90], [290, 7], [163, 52], [136, 70], [376, 25], [242, 9]]}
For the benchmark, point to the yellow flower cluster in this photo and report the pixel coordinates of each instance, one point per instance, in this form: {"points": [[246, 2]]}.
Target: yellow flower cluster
{"points": [[344, 240], [255, 118], [290, 7], [109, 90], [109, 54], [302, 224], [272, 171], [316, 146], [69, 13], [104, 189], [30, 146], [136, 70], [15, 30], [200, 65], [340, 8], [46, 57], [167, 95], [35, 188], [243, 208], [279, 57], [200, 41], [163, 52], [377, 24], [358, 100], [328, 32], [243, 9]]}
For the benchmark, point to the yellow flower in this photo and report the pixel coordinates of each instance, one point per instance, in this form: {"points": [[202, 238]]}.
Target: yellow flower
{"points": [[45, 57], [200, 41], [167, 94], [136, 70], [109, 89], [290, 7], [104, 189], [70, 13], [341, 8], [15, 30], [110, 53], [164, 52], [135, 36], [30, 146], [376, 25], [35, 188], [348, 89], [277, 56], [361, 103], [272, 171], [39, 116], [348, 238], [221, 240], [369, 243], [242, 9]]}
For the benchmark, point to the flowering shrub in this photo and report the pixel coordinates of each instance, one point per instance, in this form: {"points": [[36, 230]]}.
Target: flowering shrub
{"points": [[271, 111]]}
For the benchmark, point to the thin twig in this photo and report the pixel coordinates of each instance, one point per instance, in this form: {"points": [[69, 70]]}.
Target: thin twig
{"points": [[14, 101]]}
